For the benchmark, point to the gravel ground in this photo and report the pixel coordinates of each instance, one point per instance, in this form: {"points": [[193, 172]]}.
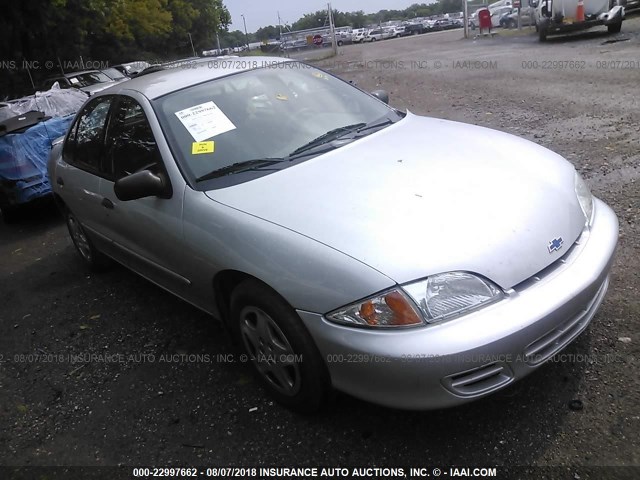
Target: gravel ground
{"points": [[149, 397]]}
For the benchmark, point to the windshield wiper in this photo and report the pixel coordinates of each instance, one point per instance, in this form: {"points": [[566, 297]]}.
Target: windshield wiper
{"points": [[371, 126], [327, 137], [243, 166]]}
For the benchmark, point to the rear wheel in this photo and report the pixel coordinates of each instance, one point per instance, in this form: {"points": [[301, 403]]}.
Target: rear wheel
{"points": [[93, 259], [615, 27], [282, 353]]}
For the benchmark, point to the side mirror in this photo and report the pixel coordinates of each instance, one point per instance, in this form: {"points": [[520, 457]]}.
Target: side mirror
{"points": [[381, 95], [141, 184]]}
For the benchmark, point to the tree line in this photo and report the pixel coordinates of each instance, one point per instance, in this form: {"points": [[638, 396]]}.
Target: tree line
{"points": [[52, 32], [69, 32]]}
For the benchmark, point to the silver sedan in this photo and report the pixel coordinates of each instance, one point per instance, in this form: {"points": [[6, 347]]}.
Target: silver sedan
{"points": [[305, 214]]}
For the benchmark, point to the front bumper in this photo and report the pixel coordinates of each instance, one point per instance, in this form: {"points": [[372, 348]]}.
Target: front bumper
{"points": [[469, 357]]}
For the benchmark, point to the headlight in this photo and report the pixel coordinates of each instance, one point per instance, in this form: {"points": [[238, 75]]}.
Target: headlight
{"points": [[390, 309], [452, 294], [584, 197], [432, 300]]}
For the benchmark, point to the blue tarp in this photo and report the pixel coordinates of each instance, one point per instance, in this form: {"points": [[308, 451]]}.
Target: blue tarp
{"points": [[23, 160]]}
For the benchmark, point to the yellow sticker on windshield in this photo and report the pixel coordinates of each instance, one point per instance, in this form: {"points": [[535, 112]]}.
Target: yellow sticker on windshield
{"points": [[198, 148], [282, 97]]}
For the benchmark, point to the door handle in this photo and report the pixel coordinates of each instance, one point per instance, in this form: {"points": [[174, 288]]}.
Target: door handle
{"points": [[106, 203], [60, 181]]}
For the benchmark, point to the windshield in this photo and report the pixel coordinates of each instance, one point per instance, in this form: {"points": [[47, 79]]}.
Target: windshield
{"points": [[113, 74], [265, 119], [86, 79]]}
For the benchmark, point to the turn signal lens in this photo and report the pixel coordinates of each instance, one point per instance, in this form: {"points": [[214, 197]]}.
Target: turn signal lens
{"points": [[391, 309]]}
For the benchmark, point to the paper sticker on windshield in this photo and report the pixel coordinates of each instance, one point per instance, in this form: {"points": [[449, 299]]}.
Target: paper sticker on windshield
{"points": [[198, 148], [74, 80], [205, 121], [280, 96]]}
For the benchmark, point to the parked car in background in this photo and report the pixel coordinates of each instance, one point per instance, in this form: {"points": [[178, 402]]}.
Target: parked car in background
{"points": [[414, 29], [399, 31], [445, 24], [510, 18], [376, 35], [114, 74], [497, 13], [256, 195], [358, 34], [132, 68], [89, 81]]}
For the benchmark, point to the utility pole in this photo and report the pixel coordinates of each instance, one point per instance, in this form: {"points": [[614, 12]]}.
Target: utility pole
{"points": [[246, 37], [332, 29], [192, 47], [465, 18]]}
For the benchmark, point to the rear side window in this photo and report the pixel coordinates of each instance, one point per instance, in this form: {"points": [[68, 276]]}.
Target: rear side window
{"points": [[85, 146]]}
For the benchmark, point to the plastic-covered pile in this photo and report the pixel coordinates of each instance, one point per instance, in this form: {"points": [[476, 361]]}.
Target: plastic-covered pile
{"points": [[57, 102], [23, 160]]}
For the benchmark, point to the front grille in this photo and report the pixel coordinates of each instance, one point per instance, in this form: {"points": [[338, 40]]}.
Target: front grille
{"points": [[479, 380], [552, 342]]}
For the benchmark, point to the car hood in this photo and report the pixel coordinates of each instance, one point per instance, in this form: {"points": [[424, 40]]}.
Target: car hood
{"points": [[425, 196]]}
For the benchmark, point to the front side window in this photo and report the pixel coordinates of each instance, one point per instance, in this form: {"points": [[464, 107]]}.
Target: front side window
{"points": [[131, 146], [262, 115], [85, 146]]}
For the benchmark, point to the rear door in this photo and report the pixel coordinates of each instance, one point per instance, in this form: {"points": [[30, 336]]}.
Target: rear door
{"points": [[80, 169]]}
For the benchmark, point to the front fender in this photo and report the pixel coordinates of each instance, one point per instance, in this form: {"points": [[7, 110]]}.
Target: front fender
{"points": [[613, 16]]}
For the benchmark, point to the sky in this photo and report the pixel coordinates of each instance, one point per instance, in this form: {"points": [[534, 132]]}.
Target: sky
{"points": [[262, 13]]}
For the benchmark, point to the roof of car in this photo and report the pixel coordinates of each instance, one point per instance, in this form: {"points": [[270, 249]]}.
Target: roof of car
{"points": [[181, 75]]}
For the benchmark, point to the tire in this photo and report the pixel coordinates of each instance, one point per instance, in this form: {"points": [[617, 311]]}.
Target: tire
{"points": [[94, 259], [269, 330], [373, 39], [614, 27], [542, 34], [339, 43], [512, 24]]}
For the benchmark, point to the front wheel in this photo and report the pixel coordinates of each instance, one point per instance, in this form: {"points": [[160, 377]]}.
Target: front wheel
{"points": [[93, 258], [282, 353]]}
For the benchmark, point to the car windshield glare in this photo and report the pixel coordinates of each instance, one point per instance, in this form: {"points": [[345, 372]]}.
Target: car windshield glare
{"points": [[89, 78], [265, 113]]}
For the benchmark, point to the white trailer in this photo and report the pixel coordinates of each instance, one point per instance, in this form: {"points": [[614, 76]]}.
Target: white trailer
{"points": [[563, 16]]}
